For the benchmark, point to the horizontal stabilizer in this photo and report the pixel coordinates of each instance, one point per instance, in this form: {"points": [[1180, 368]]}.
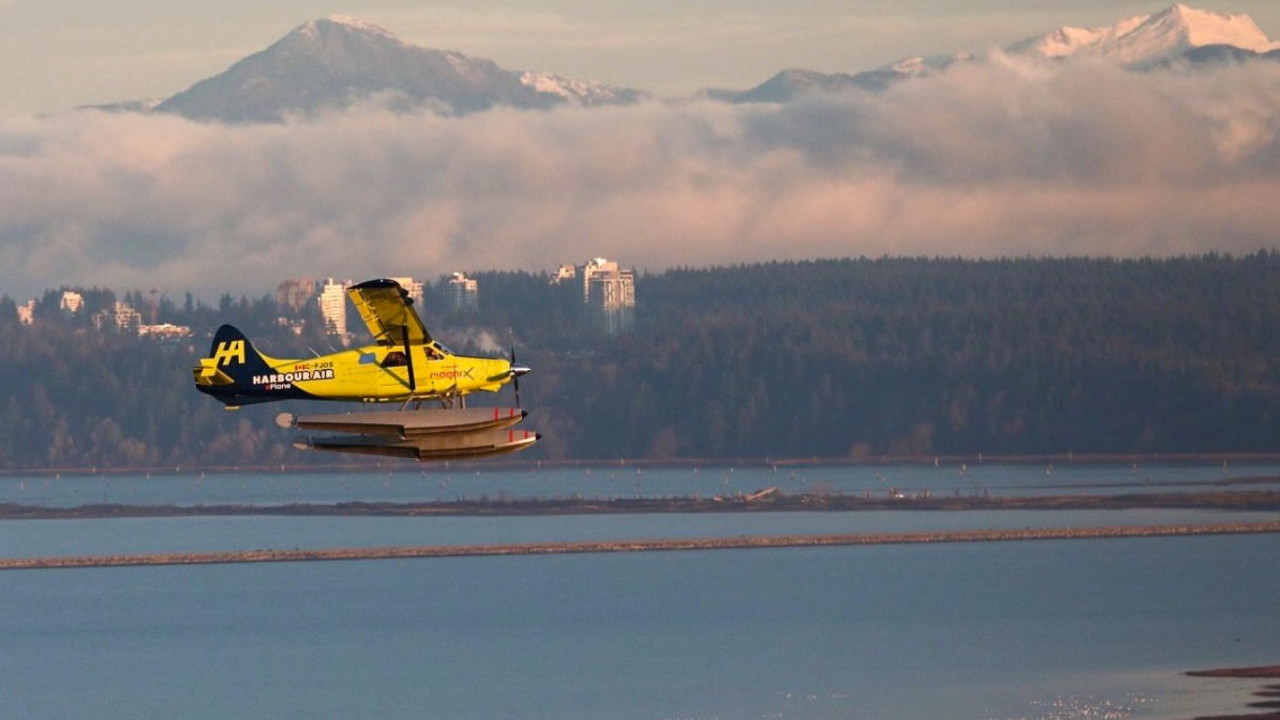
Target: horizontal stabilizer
{"points": [[434, 446], [405, 424], [207, 373]]}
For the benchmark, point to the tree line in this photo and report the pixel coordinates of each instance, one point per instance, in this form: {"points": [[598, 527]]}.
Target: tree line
{"points": [[831, 359]]}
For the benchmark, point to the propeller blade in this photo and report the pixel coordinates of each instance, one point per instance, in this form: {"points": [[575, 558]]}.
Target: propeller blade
{"points": [[515, 376]]}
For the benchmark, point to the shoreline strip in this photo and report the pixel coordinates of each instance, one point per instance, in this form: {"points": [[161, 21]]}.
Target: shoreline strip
{"points": [[618, 546]]}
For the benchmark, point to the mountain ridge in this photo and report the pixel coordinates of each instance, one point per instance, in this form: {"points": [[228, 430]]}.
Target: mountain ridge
{"points": [[338, 62], [335, 63], [1150, 38], [1177, 34]]}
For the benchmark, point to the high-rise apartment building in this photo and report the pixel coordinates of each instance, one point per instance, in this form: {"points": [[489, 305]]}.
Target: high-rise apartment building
{"points": [[71, 301], [127, 318], [122, 316], [413, 288], [609, 295], [293, 295], [27, 312], [333, 305], [464, 293]]}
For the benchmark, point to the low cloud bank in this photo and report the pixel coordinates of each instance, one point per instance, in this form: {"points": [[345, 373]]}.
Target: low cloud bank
{"points": [[1003, 158]]}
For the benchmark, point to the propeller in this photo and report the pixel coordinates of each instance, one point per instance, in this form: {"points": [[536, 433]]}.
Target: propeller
{"points": [[516, 370], [515, 377]]}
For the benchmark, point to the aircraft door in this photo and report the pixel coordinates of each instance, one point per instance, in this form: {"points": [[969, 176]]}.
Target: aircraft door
{"points": [[393, 378]]}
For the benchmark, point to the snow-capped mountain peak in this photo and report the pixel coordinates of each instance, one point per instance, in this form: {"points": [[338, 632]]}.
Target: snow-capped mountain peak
{"points": [[1204, 27], [334, 63], [356, 24], [578, 92], [335, 26], [1145, 39]]}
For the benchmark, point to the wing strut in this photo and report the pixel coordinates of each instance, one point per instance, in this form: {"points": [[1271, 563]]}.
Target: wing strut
{"points": [[408, 356]]}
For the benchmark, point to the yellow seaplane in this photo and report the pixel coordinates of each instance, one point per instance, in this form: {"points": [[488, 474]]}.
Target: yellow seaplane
{"points": [[403, 365]]}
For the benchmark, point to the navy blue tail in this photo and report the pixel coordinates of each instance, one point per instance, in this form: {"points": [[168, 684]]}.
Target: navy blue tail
{"points": [[236, 374]]}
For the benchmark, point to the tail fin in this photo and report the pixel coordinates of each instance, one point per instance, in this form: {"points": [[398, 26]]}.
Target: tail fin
{"points": [[228, 371]]}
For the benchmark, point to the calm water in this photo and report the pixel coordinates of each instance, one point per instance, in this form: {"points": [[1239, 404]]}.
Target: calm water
{"points": [[439, 482], [1068, 629]]}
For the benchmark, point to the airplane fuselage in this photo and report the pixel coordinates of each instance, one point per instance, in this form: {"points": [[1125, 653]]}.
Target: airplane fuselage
{"points": [[381, 374], [238, 375]]}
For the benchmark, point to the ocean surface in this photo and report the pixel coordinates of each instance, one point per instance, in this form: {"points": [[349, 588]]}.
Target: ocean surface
{"points": [[406, 482], [987, 631]]}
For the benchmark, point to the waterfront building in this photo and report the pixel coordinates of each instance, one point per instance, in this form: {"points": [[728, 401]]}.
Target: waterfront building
{"points": [[164, 332], [293, 325], [414, 289], [293, 295], [609, 296], [607, 293], [566, 273], [333, 305], [27, 312], [464, 293], [71, 301], [127, 318], [122, 316]]}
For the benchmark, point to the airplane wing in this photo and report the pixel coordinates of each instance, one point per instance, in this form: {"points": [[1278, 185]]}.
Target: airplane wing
{"points": [[387, 308]]}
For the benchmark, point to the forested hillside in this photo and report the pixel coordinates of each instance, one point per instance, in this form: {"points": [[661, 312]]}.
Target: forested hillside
{"points": [[816, 359]]}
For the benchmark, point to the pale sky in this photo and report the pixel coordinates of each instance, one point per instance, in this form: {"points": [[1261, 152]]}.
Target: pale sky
{"points": [[1005, 157], [58, 54]]}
